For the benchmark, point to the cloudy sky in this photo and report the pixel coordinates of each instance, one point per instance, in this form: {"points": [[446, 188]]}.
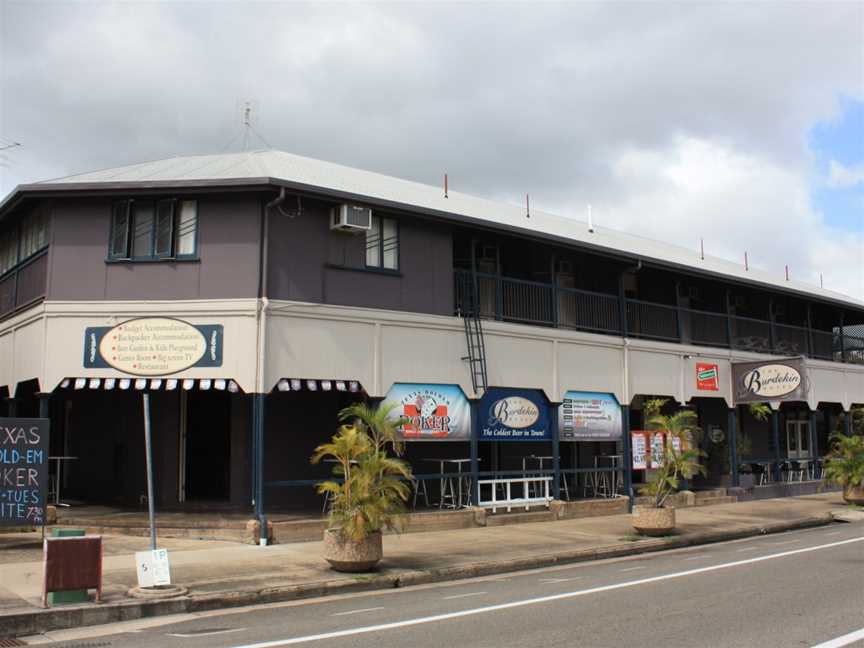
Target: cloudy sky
{"points": [[740, 123]]}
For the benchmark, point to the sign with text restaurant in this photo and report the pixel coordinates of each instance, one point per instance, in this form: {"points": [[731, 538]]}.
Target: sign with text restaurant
{"points": [[769, 380], [153, 346]]}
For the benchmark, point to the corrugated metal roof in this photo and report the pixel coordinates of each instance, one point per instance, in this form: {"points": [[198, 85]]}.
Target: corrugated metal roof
{"points": [[296, 170]]}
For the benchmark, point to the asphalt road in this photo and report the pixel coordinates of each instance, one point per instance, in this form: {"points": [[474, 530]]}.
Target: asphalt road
{"points": [[802, 588]]}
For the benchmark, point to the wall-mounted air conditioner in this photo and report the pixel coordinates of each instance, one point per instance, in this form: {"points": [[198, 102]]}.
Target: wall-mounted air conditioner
{"points": [[351, 218]]}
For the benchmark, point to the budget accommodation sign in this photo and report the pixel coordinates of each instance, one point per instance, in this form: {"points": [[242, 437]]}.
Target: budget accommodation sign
{"points": [[775, 380], [153, 346]]}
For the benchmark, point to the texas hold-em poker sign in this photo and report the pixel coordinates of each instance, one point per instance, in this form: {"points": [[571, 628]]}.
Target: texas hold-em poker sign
{"points": [[431, 412]]}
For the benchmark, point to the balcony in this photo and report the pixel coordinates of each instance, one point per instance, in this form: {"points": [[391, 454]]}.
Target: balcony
{"points": [[545, 304]]}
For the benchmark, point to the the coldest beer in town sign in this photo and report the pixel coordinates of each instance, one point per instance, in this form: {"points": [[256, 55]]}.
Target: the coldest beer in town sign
{"points": [[23, 471], [153, 346]]}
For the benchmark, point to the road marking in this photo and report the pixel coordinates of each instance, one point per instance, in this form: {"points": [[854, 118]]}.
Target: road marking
{"points": [[457, 596], [845, 640], [192, 635], [631, 569], [785, 542], [542, 599], [833, 533], [698, 557], [356, 611], [746, 549], [559, 580]]}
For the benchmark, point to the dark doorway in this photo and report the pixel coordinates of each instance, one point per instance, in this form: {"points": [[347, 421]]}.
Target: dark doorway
{"points": [[208, 445]]}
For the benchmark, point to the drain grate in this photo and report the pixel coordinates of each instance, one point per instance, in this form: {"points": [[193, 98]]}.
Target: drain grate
{"points": [[10, 643], [88, 644]]}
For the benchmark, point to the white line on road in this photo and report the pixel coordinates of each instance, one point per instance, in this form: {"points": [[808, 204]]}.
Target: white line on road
{"points": [[559, 580], [455, 596], [833, 533], [192, 635], [746, 549], [356, 611], [631, 569], [785, 542], [542, 599], [698, 557], [845, 640]]}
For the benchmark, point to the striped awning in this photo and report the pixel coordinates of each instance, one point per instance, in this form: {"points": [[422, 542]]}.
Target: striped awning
{"points": [[150, 384], [314, 385]]}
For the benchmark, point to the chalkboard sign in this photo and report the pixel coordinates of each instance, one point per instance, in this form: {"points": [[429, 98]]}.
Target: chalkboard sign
{"points": [[23, 471]]}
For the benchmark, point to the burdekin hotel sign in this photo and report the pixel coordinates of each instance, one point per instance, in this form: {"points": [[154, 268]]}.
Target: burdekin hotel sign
{"points": [[771, 380]]}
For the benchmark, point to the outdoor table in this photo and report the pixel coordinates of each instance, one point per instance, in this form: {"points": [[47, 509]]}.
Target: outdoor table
{"points": [[58, 475], [614, 464], [539, 459], [446, 482]]}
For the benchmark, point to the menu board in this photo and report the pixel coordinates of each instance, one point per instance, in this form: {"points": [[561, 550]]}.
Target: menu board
{"points": [[589, 416], [23, 471]]}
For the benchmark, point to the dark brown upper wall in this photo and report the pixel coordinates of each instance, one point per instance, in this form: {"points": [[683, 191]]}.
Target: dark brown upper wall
{"points": [[308, 262], [228, 248]]}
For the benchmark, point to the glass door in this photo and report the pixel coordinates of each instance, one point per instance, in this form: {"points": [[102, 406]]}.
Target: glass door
{"points": [[797, 439]]}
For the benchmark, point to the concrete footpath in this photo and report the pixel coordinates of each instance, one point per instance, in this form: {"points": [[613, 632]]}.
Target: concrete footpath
{"points": [[220, 574]]}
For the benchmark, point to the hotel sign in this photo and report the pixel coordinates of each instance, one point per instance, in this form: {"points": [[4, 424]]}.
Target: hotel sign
{"points": [[779, 380], [153, 346], [514, 415]]}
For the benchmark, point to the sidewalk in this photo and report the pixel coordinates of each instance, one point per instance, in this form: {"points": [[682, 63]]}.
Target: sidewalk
{"points": [[220, 574]]}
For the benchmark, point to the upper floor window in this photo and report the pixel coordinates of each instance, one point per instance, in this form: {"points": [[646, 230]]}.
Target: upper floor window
{"points": [[382, 244], [154, 229], [23, 241]]}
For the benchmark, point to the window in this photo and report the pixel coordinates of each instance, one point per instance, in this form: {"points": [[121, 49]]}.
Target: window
{"points": [[382, 244], [154, 229], [23, 241]]}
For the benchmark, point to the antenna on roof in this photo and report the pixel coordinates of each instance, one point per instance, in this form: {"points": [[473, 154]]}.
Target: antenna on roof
{"points": [[248, 116], [527, 206], [702, 248], [590, 220], [746, 262], [787, 272], [445, 186]]}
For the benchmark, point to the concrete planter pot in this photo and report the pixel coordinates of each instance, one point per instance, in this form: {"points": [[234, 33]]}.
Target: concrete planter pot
{"points": [[652, 521], [854, 495], [346, 555]]}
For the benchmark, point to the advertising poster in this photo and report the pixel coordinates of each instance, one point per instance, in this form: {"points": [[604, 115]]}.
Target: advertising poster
{"points": [[434, 412], [707, 377], [514, 415], [657, 447], [23, 471], [639, 445], [589, 416]]}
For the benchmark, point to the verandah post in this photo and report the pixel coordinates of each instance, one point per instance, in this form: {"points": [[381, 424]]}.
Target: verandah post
{"points": [[556, 451], [475, 462], [627, 459], [775, 436], [732, 424], [847, 422], [258, 423]]}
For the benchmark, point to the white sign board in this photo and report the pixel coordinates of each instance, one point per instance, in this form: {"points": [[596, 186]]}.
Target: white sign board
{"points": [[152, 567]]}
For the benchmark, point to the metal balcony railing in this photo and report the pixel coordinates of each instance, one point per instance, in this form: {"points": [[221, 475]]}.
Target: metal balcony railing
{"points": [[547, 304]]}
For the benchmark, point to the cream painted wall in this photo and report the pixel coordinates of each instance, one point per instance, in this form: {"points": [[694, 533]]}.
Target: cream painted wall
{"points": [[378, 348]]}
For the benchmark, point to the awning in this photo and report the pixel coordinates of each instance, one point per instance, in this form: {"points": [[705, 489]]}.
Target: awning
{"points": [[150, 384], [314, 385]]}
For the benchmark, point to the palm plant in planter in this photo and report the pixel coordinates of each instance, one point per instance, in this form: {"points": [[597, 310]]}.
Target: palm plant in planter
{"points": [[844, 466], [680, 461], [369, 489]]}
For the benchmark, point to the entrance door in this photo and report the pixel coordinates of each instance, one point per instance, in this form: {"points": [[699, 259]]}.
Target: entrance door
{"points": [[797, 439], [208, 445]]}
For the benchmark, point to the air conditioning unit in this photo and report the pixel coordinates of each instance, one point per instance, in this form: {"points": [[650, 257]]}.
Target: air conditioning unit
{"points": [[351, 218]]}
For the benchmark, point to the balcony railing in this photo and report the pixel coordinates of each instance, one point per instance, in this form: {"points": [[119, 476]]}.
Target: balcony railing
{"points": [[546, 304]]}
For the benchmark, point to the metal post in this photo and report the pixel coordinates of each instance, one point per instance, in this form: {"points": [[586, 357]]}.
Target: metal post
{"points": [[148, 451], [622, 305], [775, 436], [44, 402], [258, 418], [728, 321], [13, 406], [475, 447], [627, 459], [847, 422], [733, 446], [556, 451], [814, 438]]}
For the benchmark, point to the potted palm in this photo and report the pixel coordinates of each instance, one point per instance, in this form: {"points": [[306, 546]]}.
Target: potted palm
{"points": [[680, 461], [368, 490], [844, 466]]}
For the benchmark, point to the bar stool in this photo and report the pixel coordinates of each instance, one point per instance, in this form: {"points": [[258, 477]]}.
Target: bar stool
{"points": [[420, 486]]}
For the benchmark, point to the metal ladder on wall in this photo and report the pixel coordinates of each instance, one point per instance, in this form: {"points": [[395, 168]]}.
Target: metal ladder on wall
{"points": [[476, 357]]}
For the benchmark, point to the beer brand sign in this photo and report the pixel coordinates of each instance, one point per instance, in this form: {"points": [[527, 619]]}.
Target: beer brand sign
{"points": [[431, 412], [514, 415], [153, 346], [707, 377], [779, 380]]}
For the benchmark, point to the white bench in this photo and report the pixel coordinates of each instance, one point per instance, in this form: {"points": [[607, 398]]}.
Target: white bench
{"points": [[529, 484]]}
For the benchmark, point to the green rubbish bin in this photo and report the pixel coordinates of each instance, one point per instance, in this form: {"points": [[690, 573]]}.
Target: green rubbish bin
{"points": [[67, 596]]}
